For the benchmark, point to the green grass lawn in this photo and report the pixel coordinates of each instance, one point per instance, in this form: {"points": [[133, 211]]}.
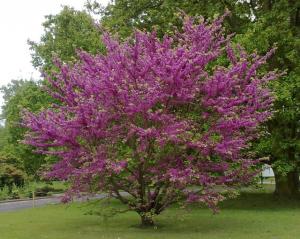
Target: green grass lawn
{"points": [[252, 215]]}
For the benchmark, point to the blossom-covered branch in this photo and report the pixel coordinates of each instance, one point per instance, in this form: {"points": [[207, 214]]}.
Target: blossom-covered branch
{"points": [[153, 117]]}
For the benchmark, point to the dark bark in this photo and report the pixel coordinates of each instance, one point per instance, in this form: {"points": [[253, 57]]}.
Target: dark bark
{"points": [[287, 185], [297, 17], [294, 13]]}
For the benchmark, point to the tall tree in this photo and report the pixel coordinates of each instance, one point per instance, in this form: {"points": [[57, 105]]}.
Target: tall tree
{"points": [[3, 137], [18, 95], [278, 22], [122, 16], [64, 33], [151, 118]]}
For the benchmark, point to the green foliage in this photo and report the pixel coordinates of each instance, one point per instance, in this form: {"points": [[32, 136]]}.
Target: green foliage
{"points": [[11, 172], [122, 16], [278, 23], [4, 193], [15, 192], [65, 33], [11, 176], [19, 95], [3, 137], [25, 191]]}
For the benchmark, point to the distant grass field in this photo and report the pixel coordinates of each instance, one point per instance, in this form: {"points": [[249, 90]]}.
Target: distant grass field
{"points": [[254, 215]]}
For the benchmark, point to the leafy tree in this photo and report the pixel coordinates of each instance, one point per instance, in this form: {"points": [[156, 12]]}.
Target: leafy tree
{"points": [[259, 25], [153, 118], [278, 22], [65, 33], [123, 16], [19, 95], [3, 137], [11, 168]]}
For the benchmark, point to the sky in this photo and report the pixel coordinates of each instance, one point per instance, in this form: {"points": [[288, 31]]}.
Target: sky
{"points": [[21, 20]]}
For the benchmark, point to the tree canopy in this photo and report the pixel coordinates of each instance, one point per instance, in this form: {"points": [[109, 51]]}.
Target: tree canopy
{"points": [[18, 95], [64, 34], [123, 16], [278, 23]]}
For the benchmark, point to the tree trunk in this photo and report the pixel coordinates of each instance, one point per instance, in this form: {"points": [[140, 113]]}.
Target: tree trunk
{"points": [[287, 185], [146, 220]]}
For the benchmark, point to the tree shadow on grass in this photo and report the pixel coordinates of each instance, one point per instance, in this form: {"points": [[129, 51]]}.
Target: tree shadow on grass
{"points": [[174, 218], [260, 200], [171, 222]]}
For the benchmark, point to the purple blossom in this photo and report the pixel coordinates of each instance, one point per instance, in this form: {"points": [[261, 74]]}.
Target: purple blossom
{"points": [[150, 118]]}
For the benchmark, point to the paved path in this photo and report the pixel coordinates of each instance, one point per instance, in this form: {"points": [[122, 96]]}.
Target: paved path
{"points": [[17, 205], [23, 204]]}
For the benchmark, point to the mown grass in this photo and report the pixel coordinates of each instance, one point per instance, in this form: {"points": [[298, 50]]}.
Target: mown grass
{"points": [[253, 215]]}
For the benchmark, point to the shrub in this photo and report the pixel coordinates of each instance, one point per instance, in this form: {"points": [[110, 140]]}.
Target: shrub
{"points": [[4, 193], [10, 176]]}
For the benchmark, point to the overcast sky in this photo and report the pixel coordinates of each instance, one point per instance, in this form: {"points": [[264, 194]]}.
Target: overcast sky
{"points": [[21, 20]]}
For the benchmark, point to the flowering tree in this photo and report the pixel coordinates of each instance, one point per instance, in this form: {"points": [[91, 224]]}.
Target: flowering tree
{"points": [[152, 118]]}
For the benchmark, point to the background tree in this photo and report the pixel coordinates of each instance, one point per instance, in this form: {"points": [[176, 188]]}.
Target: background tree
{"points": [[123, 16], [259, 25], [151, 118], [278, 22], [66, 32], [20, 94], [3, 137]]}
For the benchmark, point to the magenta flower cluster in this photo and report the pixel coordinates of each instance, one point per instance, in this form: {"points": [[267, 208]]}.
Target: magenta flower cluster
{"points": [[154, 117]]}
